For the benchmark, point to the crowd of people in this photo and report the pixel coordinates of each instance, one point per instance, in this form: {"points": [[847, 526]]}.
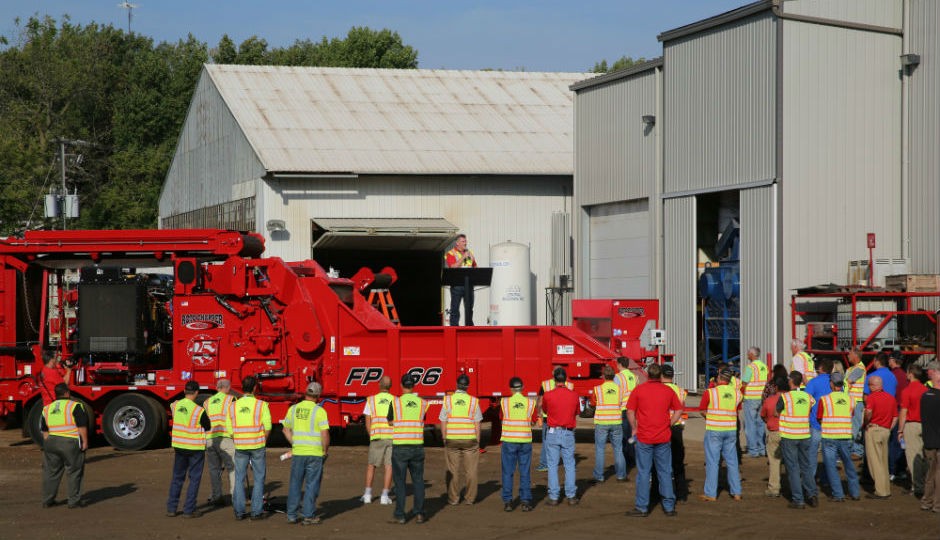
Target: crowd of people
{"points": [[789, 413]]}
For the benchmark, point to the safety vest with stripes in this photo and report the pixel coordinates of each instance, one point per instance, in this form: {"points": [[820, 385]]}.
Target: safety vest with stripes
{"points": [[836, 419], [187, 432], [219, 407], [626, 380], [794, 419], [456, 255], [380, 428], [247, 425], [608, 397], [307, 420], [408, 426], [810, 373], [548, 385], [517, 418], [461, 408], [681, 393], [722, 412], [60, 419], [759, 374], [856, 389]]}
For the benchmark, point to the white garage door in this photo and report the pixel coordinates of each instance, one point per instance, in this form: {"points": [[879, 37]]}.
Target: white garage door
{"points": [[620, 250]]}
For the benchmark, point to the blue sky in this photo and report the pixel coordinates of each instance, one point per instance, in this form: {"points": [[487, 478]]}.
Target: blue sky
{"points": [[545, 35]]}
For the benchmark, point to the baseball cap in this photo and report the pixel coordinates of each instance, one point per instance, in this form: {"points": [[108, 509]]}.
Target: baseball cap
{"points": [[515, 382], [837, 378], [191, 386], [668, 370], [407, 381], [463, 380], [314, 389]]}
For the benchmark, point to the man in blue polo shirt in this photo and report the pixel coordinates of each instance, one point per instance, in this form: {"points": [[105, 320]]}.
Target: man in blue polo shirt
{"points": [[879, 368], [818, 387]]}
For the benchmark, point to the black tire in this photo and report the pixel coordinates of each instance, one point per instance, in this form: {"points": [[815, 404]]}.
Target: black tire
{"points": [[32, 427], [133, 422]]}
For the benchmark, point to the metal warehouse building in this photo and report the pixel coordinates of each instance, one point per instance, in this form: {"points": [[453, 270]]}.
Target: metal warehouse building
{"points": [[808, 123], [371, 167]]}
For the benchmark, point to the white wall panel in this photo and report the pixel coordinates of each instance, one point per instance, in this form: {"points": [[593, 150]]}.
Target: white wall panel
{"points": [[759, 301], [875, 12], [620, 248], [679, 288]]}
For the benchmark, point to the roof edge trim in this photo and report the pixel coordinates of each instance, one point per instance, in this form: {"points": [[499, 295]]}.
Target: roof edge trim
{"points": [[617, 75], [717, 20]]}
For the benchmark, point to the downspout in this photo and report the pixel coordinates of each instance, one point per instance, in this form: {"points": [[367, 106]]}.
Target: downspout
{"points": [[905, 138]]}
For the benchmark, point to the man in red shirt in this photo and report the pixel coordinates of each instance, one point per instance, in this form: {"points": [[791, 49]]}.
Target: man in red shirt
{"points": [[881, 415], [909, 427], [561, 407], [652, 410], [768, 411], [52, 374]]}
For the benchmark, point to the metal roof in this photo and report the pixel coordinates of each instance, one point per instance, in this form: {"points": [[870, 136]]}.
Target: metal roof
{"points": [[717, 20], [402, 121], [642, 67]]}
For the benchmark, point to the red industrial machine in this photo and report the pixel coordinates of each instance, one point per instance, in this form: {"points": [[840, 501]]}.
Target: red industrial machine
{"points": [[628, 327], [135, 339]]}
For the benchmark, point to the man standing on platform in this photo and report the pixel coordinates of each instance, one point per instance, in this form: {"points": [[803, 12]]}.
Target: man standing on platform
{"points": [[460, 257]]}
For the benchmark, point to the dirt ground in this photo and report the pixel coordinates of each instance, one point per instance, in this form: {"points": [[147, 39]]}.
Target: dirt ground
{"points": [[126, 492]]}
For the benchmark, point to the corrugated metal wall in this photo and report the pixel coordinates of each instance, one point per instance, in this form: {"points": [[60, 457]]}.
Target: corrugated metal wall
{"points": [[719, 101], [875, 12], [924, 141], [213, 162], [621, 248], [679, 284], [488, 209], [759, 308], [616, 151], [841, 140]]}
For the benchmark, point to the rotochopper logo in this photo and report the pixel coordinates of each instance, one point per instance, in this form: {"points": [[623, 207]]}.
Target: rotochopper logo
{"points": [[203, 321], [203, 350]]}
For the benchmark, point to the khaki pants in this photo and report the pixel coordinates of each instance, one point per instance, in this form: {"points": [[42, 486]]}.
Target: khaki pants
{"points": [[914, 447], [463, 457], [220, 453], [773, 459], [931, 498], [876, 449]]}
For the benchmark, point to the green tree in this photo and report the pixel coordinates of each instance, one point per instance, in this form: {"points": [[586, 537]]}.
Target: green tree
{"points": [[225, 52], [623, 62]]}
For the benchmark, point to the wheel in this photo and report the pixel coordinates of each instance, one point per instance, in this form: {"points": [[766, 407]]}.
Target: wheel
{"points": [[133, 422], [33, 425]]}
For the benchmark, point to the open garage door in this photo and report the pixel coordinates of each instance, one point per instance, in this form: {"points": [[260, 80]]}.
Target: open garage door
{"points": [[414, 247]]}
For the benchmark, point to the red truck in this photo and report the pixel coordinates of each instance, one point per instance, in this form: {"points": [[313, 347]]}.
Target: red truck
{"points": [[135, 338]]}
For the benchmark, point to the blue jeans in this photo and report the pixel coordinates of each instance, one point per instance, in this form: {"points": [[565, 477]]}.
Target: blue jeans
{"points": [[659, 455], [629, 450], [542, 461], [456, 295], [834, 450], [815, 443], [753, 427], [560, 445], [858, 415], [895, 453], [614, 433], [721, 444], [305, 471], [408, 458], [185, 463], [242, 459], [513, 455], [795, 453]]}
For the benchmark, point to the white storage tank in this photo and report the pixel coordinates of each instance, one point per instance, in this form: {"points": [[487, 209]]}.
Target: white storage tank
{"points": [[510, 290]]}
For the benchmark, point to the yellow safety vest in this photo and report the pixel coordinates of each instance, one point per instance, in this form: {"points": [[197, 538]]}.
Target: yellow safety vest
{"points": [[59, 418], [548, 385], [307, 420], [681, 393], [457, 255], [810, 367], [380, 428], [608, 396], [409, 419], [247, 423], [626, 380], [187, 432], [517, 418], [794, 421], [459, 421], [759, 374], [219, 407], [836, 419], [722, 412], [857, 389]]}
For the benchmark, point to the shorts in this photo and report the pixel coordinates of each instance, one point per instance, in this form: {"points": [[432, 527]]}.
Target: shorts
{"points": [[380, 453]]}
